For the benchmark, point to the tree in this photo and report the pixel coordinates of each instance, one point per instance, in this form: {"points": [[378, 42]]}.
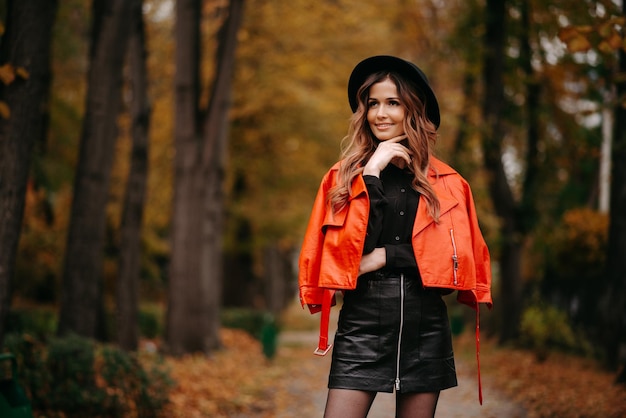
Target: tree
{"points": [[25, 72], [500, 191], [130, 246], [194, 294], [603, 35], [81, 294], [614, 301]]}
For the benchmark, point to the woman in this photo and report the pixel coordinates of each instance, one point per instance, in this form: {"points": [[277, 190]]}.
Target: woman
{"points": [[394, 229]]}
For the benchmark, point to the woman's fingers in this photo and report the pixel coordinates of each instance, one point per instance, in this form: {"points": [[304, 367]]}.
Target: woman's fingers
{"points": [[387, 151], [395, 150], [373, 261]]}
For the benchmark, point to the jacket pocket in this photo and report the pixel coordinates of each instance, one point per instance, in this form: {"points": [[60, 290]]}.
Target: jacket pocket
{"points": [[334, 219]]}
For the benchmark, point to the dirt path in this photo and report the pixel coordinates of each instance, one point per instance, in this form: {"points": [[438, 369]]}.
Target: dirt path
{"points": [[304, 394]]}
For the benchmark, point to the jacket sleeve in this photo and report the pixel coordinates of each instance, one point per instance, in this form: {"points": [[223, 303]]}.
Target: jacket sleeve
{"points": [[482, 292], [311, 251]]}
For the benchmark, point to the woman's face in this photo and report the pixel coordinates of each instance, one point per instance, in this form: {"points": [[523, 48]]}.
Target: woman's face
{"points": [[385, 113]]}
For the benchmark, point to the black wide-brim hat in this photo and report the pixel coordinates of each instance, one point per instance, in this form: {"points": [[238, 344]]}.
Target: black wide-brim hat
{"points": [[405, 68]]}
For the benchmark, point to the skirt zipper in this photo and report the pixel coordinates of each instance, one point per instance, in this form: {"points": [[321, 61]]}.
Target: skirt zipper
{"points": [[397, 385]]}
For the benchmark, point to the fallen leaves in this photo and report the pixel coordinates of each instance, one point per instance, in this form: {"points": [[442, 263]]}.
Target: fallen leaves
{"points": [[227, 383], [562, 386]]}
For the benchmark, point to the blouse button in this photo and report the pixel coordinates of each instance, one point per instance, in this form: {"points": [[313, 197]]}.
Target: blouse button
{"points": [[403, 190], [397, 238], [401, 213]]}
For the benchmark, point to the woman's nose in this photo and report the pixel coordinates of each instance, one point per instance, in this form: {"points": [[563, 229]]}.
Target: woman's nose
{"points": [[382, 111]]}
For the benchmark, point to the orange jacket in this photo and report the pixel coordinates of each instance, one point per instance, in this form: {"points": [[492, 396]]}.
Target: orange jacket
{"points": [[450, 254]]}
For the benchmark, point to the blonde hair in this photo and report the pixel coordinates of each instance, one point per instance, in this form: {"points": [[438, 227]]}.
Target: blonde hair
{"points": [[360, 143]]}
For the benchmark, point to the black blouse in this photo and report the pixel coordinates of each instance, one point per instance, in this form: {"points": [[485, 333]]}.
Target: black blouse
{"points": [[393, 206]]}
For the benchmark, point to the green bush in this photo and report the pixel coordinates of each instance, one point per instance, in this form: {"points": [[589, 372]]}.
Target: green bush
{"points": [[149, 324], [34, 321], [75, 377], [131, 387], [544, 328], [72, 379], [249, 320]]}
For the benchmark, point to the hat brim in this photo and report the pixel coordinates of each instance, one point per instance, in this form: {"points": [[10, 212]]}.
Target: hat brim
{"points": [[405, 68]]}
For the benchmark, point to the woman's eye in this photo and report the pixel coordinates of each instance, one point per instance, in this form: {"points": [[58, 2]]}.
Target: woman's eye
{"points": [[372, 104], [394, 103]]}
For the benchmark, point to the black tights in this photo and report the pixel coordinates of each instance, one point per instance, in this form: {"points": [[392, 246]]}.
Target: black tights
{"points": [[343, 403]]}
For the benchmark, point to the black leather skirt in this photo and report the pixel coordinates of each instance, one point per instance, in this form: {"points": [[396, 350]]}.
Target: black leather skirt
{"points": [[392, 333]]}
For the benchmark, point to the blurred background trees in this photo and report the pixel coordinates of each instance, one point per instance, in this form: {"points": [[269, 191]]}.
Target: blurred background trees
{"points": [[25, 59], [233, 131]]}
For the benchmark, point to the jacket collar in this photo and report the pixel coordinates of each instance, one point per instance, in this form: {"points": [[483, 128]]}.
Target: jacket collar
{"points": [[358, 187], [436, 172], [439, 168]]}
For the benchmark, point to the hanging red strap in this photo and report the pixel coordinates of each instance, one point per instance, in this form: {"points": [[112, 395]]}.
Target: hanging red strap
{"points": [[480, 387], [323, 347]]}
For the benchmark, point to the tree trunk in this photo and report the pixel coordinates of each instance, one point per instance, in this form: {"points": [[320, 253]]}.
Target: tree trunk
{"points": [[461, 155], [517, 219], [130, 246], [460, 141], [81, 294], [215, 137], [527, 213], [25, 44], [614, 303], [184, 313], [196, 264], [501, 194]]}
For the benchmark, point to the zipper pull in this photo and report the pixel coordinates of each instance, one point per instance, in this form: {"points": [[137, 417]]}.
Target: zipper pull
{"points": [[455, 265], [397, 384], [455, 259]]}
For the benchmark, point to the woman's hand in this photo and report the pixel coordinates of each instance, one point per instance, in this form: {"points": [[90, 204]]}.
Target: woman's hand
{"points": [[373, 261], [387, 151]]}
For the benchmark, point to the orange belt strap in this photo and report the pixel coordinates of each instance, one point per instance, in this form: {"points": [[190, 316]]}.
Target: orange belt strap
{"points": [[480, 387], [322, 345]]}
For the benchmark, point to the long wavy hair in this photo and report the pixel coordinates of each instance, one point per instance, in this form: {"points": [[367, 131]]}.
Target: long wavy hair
{"points": [[360, 143]]}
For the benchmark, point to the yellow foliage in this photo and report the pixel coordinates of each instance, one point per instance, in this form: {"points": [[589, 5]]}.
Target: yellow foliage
{"points": [[605, 36], [574, 38], [580, 243], [22, 73], [5, 111], [7, 74]]}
